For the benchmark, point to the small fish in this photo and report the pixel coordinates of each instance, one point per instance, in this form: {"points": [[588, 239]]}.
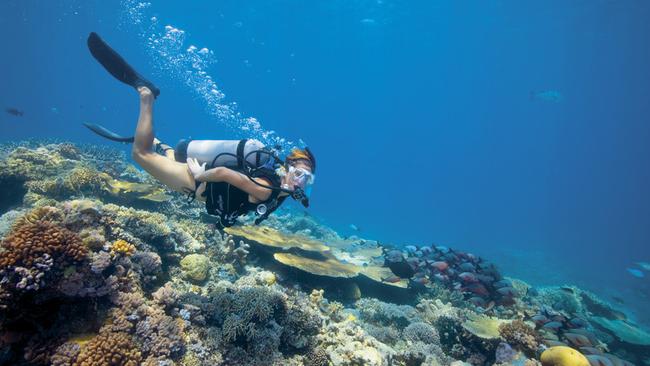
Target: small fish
{"points": [[477, 301], [507, 291], [644, 265], [421, 280], [478, 289], [410, 248], [14, 112], [157, 196], [552, 325], [552, 96], [354, 227], [468, 277], [618, 300], [392, 279], [440, 266], [578, 323], [567, 289], [368, 21], [539, 319], [577, 340], [636, 272], [467, 267]]}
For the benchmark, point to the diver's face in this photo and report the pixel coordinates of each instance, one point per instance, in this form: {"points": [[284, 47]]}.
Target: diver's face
{"points": [[298, 176]]}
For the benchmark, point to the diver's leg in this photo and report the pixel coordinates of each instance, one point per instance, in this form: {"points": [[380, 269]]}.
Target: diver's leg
{"points": [[171, 173]]}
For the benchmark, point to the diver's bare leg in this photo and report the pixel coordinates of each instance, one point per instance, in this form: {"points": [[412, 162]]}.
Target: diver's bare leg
{"points": [[173, 174]]}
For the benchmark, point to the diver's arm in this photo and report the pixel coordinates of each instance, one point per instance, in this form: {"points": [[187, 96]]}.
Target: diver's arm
{"points": [[239, 180]]}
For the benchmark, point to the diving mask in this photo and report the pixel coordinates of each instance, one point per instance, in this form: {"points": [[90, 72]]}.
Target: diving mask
{"points": [[296, 177]]}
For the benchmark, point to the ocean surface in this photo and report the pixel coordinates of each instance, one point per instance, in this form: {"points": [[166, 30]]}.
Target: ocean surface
{"points": [[517, 130]]}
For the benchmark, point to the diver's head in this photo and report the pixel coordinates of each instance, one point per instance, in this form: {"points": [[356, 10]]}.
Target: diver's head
{"points": [[298, 174]]}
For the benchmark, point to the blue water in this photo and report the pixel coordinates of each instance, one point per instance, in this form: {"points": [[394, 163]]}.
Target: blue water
{"points": [[423, 115]]}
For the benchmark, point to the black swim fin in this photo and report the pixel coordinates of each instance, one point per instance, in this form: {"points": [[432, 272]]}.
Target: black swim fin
{"points": [[105, 133], [116, 65]]}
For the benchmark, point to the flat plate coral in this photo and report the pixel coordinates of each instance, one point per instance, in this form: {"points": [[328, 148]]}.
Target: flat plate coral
{"points": [[267, 236], [330, 266]]}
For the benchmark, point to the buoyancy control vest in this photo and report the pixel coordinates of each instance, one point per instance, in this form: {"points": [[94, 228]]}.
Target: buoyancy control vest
{"points": [[245, 156]]}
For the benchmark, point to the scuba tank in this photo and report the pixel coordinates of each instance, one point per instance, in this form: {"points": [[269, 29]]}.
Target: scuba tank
{"points": [[226, 153]]}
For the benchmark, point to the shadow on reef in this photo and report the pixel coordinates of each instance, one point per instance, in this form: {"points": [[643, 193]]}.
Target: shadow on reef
{"points": [[100, 266], [12, 191]]}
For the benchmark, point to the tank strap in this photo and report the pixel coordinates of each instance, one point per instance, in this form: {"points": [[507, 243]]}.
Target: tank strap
{"points": [[240, 153]]}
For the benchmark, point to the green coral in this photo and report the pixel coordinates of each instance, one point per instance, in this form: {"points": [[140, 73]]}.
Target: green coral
{"points": [[195, 266]]}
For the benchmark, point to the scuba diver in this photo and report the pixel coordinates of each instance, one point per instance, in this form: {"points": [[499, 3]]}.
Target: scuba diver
{"points": [[233, 177]]}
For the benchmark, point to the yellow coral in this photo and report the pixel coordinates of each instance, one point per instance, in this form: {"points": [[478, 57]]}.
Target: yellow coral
{"points": [[329, 266], [484, 326], [122, 247], [563, 356], [273, 238]]}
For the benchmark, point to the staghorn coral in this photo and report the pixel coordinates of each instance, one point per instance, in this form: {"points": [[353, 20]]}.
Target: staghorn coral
{"points": [[100, 261], [160, 334], [521, 336], [382, 313], [421, 332], [109, 348], [85, 179], [68, 151], [122, 248], [317, 357]]}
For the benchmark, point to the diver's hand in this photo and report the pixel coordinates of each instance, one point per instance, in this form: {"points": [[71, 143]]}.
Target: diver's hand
{"points": [[195, 168]]}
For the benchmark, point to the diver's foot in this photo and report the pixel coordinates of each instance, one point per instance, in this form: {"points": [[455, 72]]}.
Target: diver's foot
{"points": [[146, 95]]}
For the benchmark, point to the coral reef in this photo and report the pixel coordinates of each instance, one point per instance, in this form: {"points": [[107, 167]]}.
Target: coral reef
{"points": [[108, 348], [99, 265], [520, 335]]}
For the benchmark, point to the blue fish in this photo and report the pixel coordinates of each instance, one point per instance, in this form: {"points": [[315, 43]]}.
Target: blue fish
{"points": [[636, 272], [552, 96], [644, 265]]}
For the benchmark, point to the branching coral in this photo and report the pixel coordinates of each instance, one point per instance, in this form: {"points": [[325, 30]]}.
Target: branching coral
{"points": [[122, 247], [32, 250], [160, 334], [421, 332], [110, 348], [520, 335]]}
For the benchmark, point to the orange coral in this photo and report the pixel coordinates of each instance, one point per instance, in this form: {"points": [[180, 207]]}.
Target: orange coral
{"points": [[27, 242], [122, 247]]}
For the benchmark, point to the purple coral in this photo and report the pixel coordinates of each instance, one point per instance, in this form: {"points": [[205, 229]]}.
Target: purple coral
{"points": [[100, 261]]}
